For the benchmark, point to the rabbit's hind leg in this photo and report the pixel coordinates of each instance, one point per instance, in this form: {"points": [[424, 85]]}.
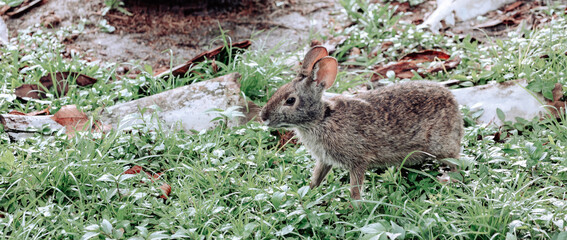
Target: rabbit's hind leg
{"points": [[356, 182]]}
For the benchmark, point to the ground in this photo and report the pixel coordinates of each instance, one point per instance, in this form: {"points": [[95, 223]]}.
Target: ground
{"points": [[174, 32], [157, 35]]}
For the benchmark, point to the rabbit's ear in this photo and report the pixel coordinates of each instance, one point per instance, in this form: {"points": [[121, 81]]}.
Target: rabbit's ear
{"points": [[312, 57], [325, 71]]}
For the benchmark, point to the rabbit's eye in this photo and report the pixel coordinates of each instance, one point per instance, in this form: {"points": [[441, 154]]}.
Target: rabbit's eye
{"points": [[290, 101]]}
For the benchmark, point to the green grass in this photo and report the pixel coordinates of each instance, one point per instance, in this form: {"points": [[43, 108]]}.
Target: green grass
{"points": [[239, 183]]}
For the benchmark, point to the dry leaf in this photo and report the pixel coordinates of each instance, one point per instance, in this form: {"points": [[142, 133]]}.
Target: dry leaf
{"points": [[513, 6], [29, 91], [138, 169], [401, 69], [445, 66], [72, 119], [401, 7], [386, 45], [134, 170], [4, 9], [166, 189], [183, 68], [557, 106], [50, 21], [40, 112], [426, 56], [287, 138], [14, 112], [489, 23], [315, 42], [20, 10], [82, 80], [59, 79], [69, 115], [44, 112], [546, 56]]}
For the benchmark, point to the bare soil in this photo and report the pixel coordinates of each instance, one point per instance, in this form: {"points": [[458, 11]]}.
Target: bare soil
{"points": [[157, 34], [172, 31]]}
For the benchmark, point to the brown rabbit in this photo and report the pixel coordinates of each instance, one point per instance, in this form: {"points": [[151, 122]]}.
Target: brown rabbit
{"points": [[377, 128]]}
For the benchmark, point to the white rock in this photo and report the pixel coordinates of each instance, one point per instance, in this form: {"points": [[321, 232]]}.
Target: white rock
{"points": [[184, 106], [511, 97], [464, 10]]}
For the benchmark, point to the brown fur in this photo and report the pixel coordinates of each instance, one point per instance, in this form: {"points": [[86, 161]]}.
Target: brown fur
{"points": [[373, 129]]}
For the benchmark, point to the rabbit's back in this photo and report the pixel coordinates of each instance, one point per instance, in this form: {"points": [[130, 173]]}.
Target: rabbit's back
{"points": [[383, 126]]}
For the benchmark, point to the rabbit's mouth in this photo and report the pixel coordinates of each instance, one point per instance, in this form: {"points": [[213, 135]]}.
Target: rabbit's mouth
{"points": [[269, 123]]}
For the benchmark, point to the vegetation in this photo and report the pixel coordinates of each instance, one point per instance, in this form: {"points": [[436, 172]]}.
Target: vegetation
{"points": [[240, 183]]}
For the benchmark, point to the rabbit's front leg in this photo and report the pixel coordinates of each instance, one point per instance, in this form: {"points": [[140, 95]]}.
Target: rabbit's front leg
{"points": [[356, 182], [319, 172]]}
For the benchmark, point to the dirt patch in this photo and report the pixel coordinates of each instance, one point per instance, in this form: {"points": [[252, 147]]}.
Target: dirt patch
{"points": [[177, 31], [174, 31]]}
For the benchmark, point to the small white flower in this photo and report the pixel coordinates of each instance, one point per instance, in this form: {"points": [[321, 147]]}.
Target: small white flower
{"points": [[240, 131], [218, 152]]}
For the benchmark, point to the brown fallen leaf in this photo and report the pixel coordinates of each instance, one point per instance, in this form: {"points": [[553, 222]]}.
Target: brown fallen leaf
{"points": [[4, 9], [315, 42], [69, 115], [35, 113], [332, 43], [401, 7], [60, 79], [103, 128], [29, 91], [20, 10], [81, 79], [50, 21], [401, 69], [214, 66], [505, 20], [489, 23], [512, 6], [557, 107], [354, 53], [183, 68], [426, 56], [386, 45], [72, 119], [166, 190], [14, 112], [287, 138], [134, 170], [445, 66], [546, 56]]}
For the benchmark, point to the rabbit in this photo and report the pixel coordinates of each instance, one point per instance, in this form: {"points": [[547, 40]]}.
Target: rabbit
{"points": [[377, 128]]}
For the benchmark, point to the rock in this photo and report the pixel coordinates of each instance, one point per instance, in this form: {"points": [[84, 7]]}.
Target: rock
{"points": [[185, 106], [448, 10], [20, 126], [4, 36], [511, 97]]}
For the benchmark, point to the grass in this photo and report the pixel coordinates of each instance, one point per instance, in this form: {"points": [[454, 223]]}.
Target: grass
{"points": [[239, 183]]}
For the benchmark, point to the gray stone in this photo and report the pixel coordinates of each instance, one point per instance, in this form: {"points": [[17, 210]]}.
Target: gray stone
{"points": [[511, 97], [184, 106]]}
